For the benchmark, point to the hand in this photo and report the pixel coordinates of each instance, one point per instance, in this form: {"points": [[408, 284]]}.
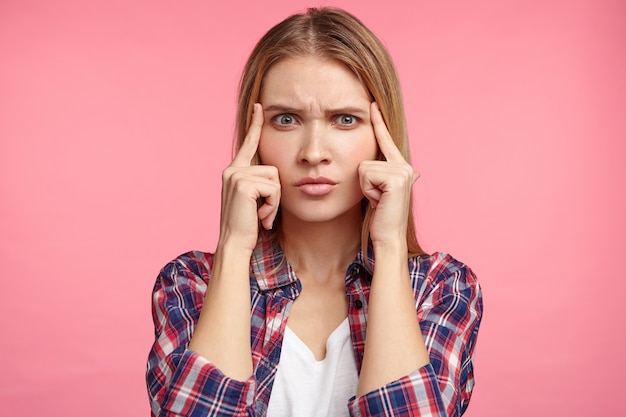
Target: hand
{"points": [[244, 186], [387, 185]]}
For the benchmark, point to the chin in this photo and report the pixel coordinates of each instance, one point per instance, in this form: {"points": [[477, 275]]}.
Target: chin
{"points": [[323, 212]]}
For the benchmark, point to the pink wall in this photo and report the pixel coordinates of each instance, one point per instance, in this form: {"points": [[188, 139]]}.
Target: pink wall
{"points": [[115, 123]]}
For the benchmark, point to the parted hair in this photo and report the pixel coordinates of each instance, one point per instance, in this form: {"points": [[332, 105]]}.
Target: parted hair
{"points": [[331, 33]]}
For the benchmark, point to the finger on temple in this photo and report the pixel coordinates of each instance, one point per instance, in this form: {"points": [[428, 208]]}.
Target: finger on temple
{"points": [[251, 141], [385, 142]]}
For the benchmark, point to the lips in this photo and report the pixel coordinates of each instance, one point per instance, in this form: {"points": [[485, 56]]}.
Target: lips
{"points": [[315, 186]]}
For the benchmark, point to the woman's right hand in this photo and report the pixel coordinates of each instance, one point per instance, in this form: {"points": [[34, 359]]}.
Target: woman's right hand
{"points": [[243, 187], [249, 193]]}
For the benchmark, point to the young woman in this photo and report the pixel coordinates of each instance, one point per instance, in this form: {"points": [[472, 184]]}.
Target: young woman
{"points": [[318, 300]]}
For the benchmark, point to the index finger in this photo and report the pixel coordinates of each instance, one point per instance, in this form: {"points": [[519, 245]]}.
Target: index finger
{"points": [[251, 141], [383, 137]]}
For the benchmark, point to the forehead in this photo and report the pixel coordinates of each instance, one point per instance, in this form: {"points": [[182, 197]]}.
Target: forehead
{"points": [[310, 78]]}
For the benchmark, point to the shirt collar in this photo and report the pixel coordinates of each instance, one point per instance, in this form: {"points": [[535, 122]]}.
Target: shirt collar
{"points": [[366, 260]]}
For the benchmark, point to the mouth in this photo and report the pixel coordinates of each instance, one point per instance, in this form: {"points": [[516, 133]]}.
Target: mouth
{"points": [[315, 186]]}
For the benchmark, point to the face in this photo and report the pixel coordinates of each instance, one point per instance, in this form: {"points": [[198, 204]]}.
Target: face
{"points": [[317, 131]]}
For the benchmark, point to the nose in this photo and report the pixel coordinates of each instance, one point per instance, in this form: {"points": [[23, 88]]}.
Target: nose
{"points": [[314, 148]]}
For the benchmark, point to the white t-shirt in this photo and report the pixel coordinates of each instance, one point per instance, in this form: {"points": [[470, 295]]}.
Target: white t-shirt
{"points": [[307, 387]]}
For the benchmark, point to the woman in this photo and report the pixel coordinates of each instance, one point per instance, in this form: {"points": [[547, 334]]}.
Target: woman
{"points": [[318, 299]]}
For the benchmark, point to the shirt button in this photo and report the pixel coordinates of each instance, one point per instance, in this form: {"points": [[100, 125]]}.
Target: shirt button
{"points": [[354, 272], [358, 304]]}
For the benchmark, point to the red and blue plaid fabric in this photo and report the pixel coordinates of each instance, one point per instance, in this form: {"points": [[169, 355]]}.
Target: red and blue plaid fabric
{"points": [[181, 382]]}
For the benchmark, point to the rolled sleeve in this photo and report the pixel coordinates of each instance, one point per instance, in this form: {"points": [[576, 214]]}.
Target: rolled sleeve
{"points": [[198, 388], [416, 394]]}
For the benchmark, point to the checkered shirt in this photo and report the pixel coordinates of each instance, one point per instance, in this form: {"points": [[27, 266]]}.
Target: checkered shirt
{"points": [[180, 382]]}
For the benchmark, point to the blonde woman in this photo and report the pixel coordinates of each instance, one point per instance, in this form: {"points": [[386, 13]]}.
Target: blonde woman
{"points": [[318, 300]]}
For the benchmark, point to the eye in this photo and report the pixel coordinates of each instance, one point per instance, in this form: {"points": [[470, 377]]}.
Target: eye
{"points": [[285, 119], [346, 120]]}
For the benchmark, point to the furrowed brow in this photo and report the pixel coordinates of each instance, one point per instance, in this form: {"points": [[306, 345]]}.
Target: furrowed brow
{"points": [[279, 108], [357, 111]]}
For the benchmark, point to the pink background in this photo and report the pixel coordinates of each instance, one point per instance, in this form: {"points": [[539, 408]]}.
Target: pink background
{"points": [[116, 120]]}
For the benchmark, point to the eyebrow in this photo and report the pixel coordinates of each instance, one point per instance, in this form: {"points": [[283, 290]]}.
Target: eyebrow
{"points": [[279, 108]]}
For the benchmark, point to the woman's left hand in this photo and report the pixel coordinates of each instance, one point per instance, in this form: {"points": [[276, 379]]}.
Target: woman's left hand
{"points": [[387, 185]]}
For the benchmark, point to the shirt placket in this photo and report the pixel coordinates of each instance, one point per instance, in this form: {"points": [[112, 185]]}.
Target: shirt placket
{"points": [[357, 292]]}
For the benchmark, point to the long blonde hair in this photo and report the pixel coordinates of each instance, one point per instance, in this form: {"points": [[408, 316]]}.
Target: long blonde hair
{"points": [[335, 34]]}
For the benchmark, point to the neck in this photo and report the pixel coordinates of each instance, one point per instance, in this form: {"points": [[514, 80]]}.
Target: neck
{"points": [[324, 249]]}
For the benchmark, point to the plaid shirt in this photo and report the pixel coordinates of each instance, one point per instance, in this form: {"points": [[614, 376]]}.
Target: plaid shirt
{"points": [[181, 382]]}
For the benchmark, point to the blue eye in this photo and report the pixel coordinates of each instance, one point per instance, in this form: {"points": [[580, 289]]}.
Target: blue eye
{"points": [[346, 120], [285, 119]]}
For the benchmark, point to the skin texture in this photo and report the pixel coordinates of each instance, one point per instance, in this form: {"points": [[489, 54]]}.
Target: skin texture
{"points": [[315, 121]]}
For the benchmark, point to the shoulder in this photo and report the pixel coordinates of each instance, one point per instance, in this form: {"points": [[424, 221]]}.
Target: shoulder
{"points": [[439, 264], [441, 271], [178, 292], [193, 263]]}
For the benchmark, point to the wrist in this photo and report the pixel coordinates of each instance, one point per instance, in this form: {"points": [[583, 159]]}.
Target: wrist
{"points": [[232, 244], [232, 258], [390, 247]]}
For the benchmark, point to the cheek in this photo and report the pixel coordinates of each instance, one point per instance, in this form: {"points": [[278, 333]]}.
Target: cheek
{"points": [[352, 156], [273, 152], [368, 147]]}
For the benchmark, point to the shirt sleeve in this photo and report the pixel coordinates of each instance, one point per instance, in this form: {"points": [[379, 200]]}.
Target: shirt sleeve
{"points": [[181, 382], [449, 307]]}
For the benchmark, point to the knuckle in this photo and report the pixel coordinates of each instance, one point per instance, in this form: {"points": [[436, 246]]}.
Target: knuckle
{"points": [[398, 181], [237, 181], [272, 171], [365, 165], [243, 188], [235, 175], [227, 173]]}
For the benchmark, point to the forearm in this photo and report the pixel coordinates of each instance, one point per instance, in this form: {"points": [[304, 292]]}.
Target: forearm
{"points": [[222, 334], [394, 345]]}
